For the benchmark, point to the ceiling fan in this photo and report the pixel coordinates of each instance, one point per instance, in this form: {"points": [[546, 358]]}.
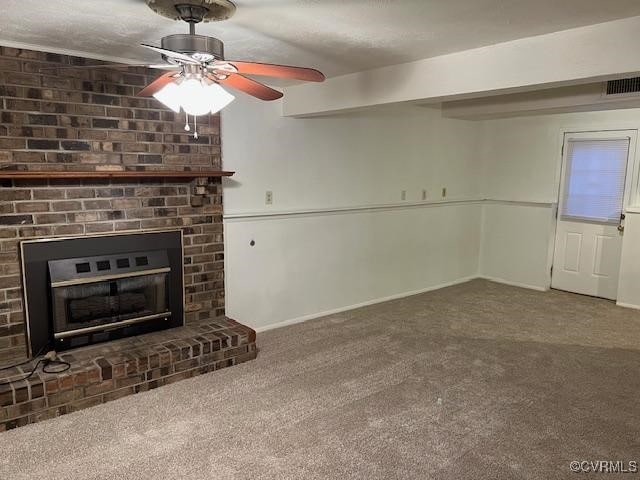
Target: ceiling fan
{"points": [[197, 67]]}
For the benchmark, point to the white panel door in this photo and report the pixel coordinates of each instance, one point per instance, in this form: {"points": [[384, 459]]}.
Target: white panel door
{"points": [[593, 193]]}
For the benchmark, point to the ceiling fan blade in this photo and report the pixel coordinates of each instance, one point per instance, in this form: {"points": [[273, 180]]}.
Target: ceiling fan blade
{"points": [[249, 86], [278, 71], [170, 53], [163, 66], [159, 66], [157, 84]]}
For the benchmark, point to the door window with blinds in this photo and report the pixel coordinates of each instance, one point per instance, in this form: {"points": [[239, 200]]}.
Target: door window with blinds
{"points": [[594, 180]]}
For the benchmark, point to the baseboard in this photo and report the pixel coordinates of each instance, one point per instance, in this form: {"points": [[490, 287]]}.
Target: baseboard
{"points": [[513, 284], [628, 305], [313, 316]]}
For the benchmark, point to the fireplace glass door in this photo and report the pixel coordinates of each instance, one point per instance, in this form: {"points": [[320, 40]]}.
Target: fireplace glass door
{"points": [[100, 304]]}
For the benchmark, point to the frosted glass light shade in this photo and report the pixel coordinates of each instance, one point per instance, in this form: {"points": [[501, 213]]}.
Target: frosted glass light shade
{"points": [[194, 97], [169, 96], [218, 97]]}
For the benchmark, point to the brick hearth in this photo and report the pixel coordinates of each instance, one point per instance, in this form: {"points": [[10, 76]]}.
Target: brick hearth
{"points": [[109, 371]]}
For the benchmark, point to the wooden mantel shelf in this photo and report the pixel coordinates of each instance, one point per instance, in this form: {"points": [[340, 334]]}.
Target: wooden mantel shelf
{"points": [[38, 174]]}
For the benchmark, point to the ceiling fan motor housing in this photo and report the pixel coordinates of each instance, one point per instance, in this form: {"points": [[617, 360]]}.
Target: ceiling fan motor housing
{"points": [[191, 44]]}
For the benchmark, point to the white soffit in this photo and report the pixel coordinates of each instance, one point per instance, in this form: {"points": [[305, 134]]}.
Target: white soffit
{"points": [[570, 57]]}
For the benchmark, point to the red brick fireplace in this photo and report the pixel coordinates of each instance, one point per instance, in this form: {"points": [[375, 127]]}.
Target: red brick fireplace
{"points": [[75, 121]]}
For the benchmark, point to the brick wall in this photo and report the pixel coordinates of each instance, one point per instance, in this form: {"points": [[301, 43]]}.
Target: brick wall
{"points": [[91, 119]]}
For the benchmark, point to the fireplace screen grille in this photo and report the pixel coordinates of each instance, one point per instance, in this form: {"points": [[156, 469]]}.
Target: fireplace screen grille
{"points": [[101, 293], [110, 301]]}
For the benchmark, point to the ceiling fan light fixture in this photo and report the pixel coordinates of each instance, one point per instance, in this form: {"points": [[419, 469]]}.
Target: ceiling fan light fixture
{"points": [[194, 97]]}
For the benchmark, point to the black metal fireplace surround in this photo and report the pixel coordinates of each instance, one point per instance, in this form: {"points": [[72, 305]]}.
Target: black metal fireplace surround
{"points": [[84, 290]]}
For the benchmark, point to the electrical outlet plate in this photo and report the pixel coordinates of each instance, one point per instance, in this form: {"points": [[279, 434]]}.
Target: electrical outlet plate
{"points": [[268, 197]]}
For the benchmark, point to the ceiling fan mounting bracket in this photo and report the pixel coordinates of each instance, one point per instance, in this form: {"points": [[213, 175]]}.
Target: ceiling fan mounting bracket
{"points": [[193, 11]]}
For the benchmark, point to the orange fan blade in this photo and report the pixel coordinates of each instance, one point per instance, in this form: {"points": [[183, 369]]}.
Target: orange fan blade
{"points": [[278, 71], [157, 84], [251, 87]]}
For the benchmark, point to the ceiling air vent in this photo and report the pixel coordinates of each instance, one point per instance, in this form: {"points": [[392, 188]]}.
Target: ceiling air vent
{"points": [[624, 86]]}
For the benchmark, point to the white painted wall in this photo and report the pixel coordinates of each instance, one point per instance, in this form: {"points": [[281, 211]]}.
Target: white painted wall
{"points": [[305, 266], [629, 283], [521, 166], [354, 159], [375, 246], [337, 234], [516, 243]]}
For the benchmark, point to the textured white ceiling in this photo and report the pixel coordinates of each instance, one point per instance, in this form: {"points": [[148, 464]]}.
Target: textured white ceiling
{"points": [[336, 36]]}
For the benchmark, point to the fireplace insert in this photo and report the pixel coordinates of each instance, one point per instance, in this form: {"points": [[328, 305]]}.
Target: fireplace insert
{"points": [[101, 288]]}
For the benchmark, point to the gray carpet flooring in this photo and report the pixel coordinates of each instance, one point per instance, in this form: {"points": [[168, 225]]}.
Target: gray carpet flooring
{"points": [[474, 381]]}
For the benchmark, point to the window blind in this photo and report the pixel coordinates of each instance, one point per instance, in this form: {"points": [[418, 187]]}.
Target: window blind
{"points": [[594, 180]]}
